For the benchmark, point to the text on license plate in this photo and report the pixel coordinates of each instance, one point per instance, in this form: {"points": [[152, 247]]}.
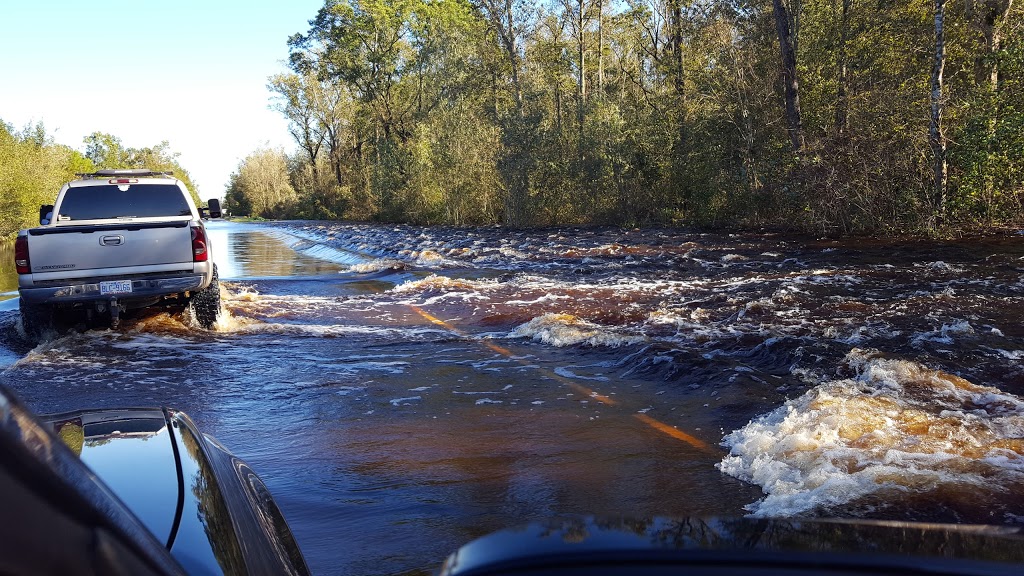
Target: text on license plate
{"points": [[116, 287]]}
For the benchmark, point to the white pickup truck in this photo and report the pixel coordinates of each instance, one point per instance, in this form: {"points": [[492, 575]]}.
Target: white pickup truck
{"points": [[116, 240]]}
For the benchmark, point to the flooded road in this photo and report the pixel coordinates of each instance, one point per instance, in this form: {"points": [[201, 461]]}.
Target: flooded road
{"points": [[403, 390]]}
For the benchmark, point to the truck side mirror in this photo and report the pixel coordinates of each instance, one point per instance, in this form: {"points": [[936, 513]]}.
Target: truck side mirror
{"points": [[214, 205], [45, 214]]}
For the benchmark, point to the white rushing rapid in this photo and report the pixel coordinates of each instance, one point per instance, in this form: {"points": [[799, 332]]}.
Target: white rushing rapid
{"points": [[894, 427]]}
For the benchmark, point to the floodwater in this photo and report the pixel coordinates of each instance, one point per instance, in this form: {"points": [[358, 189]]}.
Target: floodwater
{"points": [[404, 390]]}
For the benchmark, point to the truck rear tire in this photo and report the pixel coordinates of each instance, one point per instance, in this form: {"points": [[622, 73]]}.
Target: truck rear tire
{"points": [[206, 302], [36, 320]]}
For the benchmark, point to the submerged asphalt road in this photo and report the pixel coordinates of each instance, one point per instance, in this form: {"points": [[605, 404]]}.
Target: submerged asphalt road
{"points": [[404, 390]]}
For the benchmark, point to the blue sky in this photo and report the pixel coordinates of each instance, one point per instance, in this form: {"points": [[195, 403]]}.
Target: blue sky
{"points": [[192, 72]]}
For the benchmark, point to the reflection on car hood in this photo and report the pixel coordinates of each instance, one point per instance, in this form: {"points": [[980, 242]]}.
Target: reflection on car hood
{"points": [[156, 463], [741, 545], [132, 453], [211, 511]]}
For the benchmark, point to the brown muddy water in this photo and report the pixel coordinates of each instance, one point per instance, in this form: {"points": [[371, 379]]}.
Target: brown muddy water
{"points": [[403, 390]]}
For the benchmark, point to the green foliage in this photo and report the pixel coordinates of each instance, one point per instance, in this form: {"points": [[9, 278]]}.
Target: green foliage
{"points": [[32, 170], [652, 111], [452, 169], [107, 152], [988, 154], [260, 188]]}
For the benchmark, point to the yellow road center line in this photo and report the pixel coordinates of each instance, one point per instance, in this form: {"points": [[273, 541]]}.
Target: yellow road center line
{"points": [[436, 320], [498, 349], [676, 433], [508, 354], [656, 424]]}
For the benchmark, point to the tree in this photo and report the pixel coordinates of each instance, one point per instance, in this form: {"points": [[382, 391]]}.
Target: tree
{"points": [[787, 45], [842, 82], [294, 98], [32, 170], [508, 21], [107, 152], [935, 131], [364, 45], [660, 111], [260, 187], [678, 66]]}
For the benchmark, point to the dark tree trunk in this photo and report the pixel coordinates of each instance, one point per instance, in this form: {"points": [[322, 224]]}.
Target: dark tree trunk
{"points": [[997, 16], [581, 85], [515, 166], [582, 49], [558, 111], [312, 149], [784, 27], [336, 163]]}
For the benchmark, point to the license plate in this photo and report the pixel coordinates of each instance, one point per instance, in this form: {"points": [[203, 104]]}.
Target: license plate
{"points": [[116, 287]]}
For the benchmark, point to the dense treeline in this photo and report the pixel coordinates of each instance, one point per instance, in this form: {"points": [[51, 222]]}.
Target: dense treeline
{"points": [[828, 115], [33, 168]]}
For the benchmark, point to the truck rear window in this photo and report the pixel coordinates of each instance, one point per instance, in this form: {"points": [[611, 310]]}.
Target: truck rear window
{"points": [[109, 201]]}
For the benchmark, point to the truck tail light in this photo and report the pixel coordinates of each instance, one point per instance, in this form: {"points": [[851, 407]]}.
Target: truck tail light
{"points": [[199, 251], [21, 261]]}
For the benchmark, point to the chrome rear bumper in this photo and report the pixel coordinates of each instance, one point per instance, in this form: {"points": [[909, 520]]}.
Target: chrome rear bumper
{"points": [[90, 291]]}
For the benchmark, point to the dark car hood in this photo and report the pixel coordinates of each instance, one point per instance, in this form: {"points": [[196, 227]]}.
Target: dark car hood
{"points": [[133, 453], [136, 490], [701, 546], [157, 463]]}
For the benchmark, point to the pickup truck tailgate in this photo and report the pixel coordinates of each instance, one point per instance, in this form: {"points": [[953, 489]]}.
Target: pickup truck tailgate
{"points": [[72, 250]]}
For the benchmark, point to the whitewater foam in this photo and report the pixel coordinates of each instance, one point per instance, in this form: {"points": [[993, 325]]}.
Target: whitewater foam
{"points": [[378, 265], [945, 334], [568, 330], [896, 426]]}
